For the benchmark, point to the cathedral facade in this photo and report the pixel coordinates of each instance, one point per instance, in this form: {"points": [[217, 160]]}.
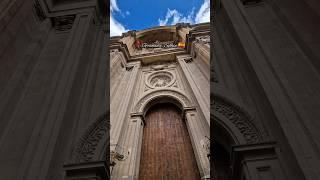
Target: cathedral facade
{"points": [[258, 104], [149, 70]]}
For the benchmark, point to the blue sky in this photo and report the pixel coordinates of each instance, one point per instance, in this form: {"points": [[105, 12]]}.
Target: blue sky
{"points": [[141, 14]]}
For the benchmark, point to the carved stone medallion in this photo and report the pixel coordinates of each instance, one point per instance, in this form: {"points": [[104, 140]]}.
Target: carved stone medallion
{"points": [[160, 79]]}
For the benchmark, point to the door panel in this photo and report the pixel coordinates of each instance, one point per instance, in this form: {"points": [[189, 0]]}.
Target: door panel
{"points": [[166, 147]]}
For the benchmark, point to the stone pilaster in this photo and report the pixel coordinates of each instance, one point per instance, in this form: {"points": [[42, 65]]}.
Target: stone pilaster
{"points": [[196, 79], [39, 152], [198, 134], [130, 148], [120, 106]]}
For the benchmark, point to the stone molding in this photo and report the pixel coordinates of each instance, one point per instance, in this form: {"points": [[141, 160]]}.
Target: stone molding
{"points": [[238, 117], [171, 93], [91, 145]]}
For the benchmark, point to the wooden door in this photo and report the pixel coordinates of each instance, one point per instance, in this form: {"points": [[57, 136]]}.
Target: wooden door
{"points": [[166, 147]]}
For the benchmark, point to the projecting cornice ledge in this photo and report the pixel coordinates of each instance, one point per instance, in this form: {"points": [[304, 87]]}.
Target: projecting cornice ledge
{"points": [[55, 8]]}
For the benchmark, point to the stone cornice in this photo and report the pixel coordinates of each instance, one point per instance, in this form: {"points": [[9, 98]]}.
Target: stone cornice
{"points": [[198, 30], [194, 31], [51, 9], [115, 44]]}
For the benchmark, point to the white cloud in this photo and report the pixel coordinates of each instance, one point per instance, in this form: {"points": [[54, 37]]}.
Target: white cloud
{"points": [[176, 17], [203, 14], [173, 16], [116, 28], [114, 6]]}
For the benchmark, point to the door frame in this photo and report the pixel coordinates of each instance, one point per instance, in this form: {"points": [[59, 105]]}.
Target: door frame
{"points": [[195, 122]]}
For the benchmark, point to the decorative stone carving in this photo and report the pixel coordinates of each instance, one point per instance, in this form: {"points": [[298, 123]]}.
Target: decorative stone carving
{"points": [[160, 79], [240, 119], [87, 148], [63, 23], [159, 66], [170, 93]]}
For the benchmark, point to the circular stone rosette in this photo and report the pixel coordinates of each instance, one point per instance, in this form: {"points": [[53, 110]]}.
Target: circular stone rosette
{"points": [[160, 79]]}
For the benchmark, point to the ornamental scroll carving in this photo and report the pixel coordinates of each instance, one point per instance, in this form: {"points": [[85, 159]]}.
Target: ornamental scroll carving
{"points": [[175, 94], [92, 144], [241, 120]]}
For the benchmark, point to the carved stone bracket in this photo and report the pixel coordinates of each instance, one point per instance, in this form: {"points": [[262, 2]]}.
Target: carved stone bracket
{"points": [[63, 23]]}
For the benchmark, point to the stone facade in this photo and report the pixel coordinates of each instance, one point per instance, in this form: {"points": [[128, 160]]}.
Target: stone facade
{"points": [[141, 78], [265, 89], [54, 94]]}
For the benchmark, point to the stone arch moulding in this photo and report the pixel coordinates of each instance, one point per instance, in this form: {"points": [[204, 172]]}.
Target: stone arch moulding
{"points": [[165, 94], [93, 145], [235, 120]]}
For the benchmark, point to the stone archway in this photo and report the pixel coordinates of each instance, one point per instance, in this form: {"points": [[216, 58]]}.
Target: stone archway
{"points": [[90, 156], [189, 113], [93, 145], [238, 135], [236, 121], [162, 94]]}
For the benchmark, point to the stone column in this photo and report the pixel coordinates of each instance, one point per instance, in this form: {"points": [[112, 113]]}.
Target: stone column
{"points": [[199, 134], [130, 148]]}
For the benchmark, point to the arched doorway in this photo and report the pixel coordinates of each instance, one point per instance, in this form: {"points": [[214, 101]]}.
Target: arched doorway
{"points": [[166, 146]]}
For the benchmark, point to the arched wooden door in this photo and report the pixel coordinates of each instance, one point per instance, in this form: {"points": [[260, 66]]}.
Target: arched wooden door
{"points": [[166, 146]]}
